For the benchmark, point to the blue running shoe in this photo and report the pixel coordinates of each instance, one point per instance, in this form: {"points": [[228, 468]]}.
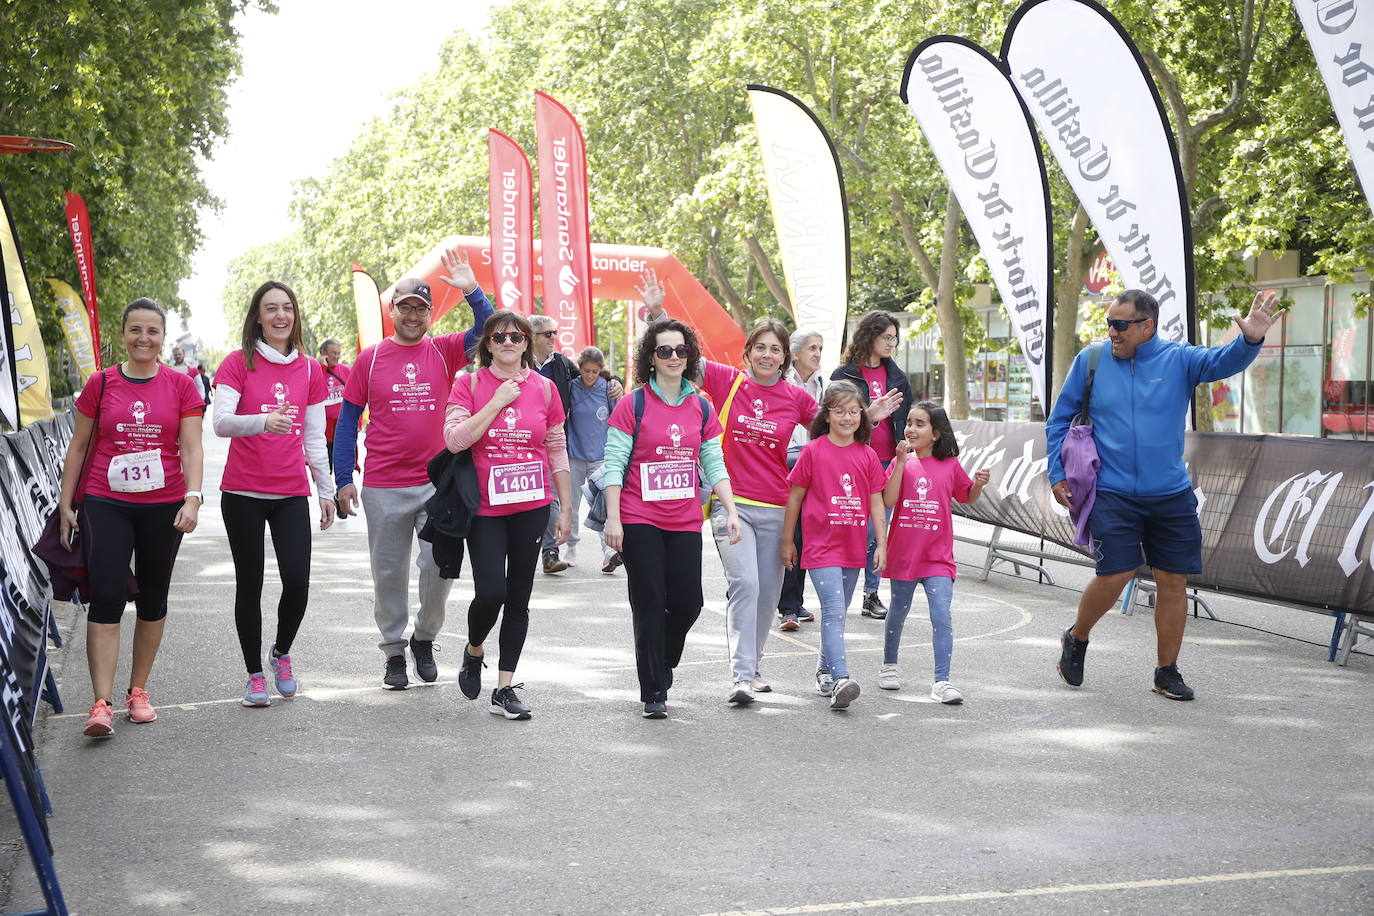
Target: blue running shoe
{"points": [[282, 673]]}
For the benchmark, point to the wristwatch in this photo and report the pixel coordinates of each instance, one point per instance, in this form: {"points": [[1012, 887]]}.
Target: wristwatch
{"points": [[200, 497]]}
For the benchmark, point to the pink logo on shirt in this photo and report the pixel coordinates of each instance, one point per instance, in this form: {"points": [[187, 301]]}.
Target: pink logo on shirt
{"points": [[510, 416], [410, 373], [876, 388], [848, 483], [922, 488], [139, 410], [675, 433], [759, 408], [279, 393]]}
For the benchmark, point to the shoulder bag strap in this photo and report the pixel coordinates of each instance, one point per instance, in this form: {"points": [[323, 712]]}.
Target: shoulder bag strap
{"points": [[1084, 417]]}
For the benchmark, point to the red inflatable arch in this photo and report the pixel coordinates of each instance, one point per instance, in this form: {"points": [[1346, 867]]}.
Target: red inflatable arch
{"points": [[615, 274]]}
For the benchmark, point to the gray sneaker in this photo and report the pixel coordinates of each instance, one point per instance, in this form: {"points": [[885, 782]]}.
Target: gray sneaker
{"points": [[825, 684], [845, 692]]}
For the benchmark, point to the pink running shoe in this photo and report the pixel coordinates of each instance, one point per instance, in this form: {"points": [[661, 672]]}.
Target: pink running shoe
{"points": [[140, 710], [101, 722]]}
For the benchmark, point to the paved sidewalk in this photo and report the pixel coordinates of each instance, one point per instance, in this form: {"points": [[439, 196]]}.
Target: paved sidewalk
{"points": [[1029, 798]]}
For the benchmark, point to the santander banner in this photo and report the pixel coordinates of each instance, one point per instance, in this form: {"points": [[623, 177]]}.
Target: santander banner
{"points": [[79, 224], [806, 190], [510, 201], [616, 271], [982, 135], [1085, 84], [564, 226], [1341, 33]]}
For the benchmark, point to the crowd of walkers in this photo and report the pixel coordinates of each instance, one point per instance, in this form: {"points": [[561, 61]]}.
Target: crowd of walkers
{"points": [[794, 473]]}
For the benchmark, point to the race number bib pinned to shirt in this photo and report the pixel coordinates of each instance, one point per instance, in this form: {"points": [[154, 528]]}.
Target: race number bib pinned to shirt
{"points": [[664, 480], [515, 483], [137, 472]]}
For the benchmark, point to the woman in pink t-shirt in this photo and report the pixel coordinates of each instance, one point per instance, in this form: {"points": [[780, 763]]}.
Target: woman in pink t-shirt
{"points": [[837, 488], [510, 418], [656, 438], [923, 480], [270, 400], [141, 493], [868, 363]]}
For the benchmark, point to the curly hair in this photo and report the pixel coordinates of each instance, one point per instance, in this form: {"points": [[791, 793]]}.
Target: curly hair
{"points": [[644, 352], [777, 329], [870, 327], [838, 393], [497, 321], [946, 446]]}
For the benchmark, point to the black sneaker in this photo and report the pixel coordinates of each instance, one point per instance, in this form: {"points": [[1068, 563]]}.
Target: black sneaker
{"points": [[789, 623], [423, 651], [395, 676], [1071, 654], [504, 702], [552, 564], [873, 606], [1169, 683], [655, 709], [613, 562], [470, 674], [805, 616]]}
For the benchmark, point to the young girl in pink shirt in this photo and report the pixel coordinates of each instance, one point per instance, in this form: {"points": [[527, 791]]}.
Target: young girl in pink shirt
{"points": [[837, 491], [925, 477]]}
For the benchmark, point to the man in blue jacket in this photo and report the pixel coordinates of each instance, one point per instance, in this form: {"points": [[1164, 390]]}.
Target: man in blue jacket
{"points": [[1145, 509]]}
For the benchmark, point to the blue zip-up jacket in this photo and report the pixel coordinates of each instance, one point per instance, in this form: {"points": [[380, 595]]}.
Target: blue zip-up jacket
{"points": [[1138, 411]]}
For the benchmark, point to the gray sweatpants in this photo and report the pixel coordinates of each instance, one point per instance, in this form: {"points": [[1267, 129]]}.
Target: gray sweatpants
{"points": [[753, 577], [395, 516]]}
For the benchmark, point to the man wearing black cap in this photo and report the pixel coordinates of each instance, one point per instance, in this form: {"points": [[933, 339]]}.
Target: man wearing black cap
{"points": [[404, 381]]}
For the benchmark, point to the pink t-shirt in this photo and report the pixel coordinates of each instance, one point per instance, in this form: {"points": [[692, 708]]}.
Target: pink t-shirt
{"points": [[661, 478], [839, 481], [405, 389], [758, 429], [920, 540], [269, 463], [512, 462], [334, 379], [882, 442], [137, 457]]}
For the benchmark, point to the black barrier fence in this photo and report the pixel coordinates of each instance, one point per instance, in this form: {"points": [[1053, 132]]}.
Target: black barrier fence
{"points": [[1285, 519]]}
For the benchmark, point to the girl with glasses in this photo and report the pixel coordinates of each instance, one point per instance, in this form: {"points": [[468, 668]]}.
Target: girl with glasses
{"points": [[657, 438], [511, 419]]}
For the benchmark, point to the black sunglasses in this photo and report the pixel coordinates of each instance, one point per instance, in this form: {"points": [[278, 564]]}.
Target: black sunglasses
{"points": [[501, 337], [1121, 324], [667, 352], [547, 334]]}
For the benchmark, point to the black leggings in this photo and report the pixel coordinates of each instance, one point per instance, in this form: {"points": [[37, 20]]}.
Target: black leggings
{"points": [[503, 551], [289, 518], [663, 569], [120, 531]]}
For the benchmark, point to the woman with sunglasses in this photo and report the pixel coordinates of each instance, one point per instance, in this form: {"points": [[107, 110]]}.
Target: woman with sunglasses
{"points": [[886, 391], [656, 439], [511, 418], [758, 411]]}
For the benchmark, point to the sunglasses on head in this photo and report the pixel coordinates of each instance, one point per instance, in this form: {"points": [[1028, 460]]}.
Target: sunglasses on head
{"points": [[667, 352], [501, 337], [1121, 324]]}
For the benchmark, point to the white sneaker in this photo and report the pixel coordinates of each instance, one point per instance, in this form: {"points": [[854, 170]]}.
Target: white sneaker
{"points": [[761, 685], [825, 685], [887, 678], [947, 693], [742, 694], [845, 692], [570, 554]]}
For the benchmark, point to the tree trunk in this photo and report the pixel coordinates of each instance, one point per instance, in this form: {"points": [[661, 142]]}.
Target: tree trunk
{"points": [[1076, 264], [770, 279], [716, 270], [951, 322]]}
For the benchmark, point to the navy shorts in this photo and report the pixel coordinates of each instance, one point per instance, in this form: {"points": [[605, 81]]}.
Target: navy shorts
{"points": [[1161, 531]]}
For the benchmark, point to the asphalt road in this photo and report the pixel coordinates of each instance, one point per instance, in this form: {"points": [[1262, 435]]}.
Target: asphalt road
{"points": [[1031, 797]]}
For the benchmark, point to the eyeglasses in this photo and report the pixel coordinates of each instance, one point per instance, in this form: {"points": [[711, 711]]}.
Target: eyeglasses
{"points": [[1121, 324], [501, 337], [889, 338], [547, 335], [667, 352], [846, 411], [405, 309]]}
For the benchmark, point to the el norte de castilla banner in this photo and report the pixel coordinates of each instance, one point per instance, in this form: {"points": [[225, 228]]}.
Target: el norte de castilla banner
{"points": [[985, 143], [1087, 88], [1341, 33]]}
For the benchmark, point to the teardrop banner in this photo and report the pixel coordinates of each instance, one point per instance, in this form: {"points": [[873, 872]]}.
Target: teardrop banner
{"points": [[810, 215], [1085, 84], [83, 246], [1342, 39], [564, 225], [76, 326], [510, 204], [371, 317], [985, 142], [27, 358]]}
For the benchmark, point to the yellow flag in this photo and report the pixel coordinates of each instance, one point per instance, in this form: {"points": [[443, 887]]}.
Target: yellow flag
{"points": [[30, 359], [368, 302], [76, 324]]}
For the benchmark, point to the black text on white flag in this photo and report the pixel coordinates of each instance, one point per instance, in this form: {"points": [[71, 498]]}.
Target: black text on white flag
{"points": [[1341, 33]]}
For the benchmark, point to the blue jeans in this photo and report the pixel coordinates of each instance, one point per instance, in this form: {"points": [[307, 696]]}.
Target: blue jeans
{"points": [[835, 587], [939, 593], [873, 578]]}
